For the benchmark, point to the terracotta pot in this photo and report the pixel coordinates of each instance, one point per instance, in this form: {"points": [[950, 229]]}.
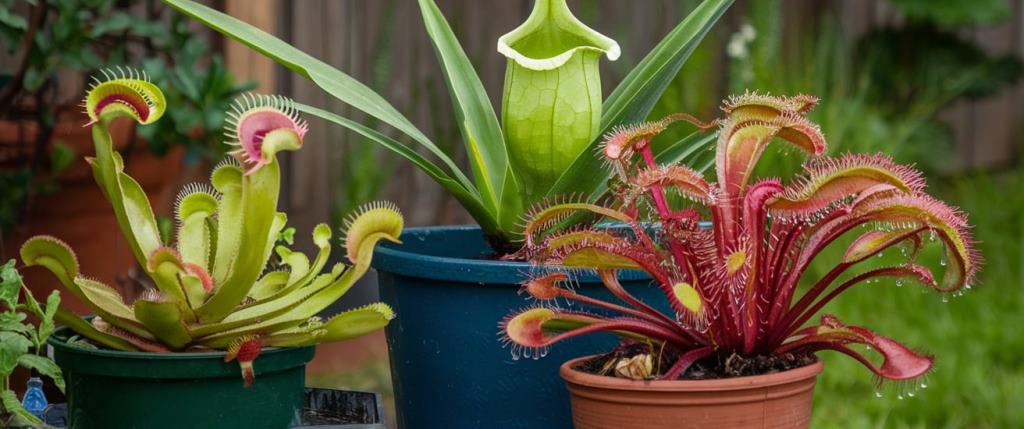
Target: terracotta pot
{"points": [[781, 400], [78, 213]]}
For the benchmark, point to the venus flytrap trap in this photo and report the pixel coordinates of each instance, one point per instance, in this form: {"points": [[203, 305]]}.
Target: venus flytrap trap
{"points": [[733, 286], [552, 108], [212, 289]]}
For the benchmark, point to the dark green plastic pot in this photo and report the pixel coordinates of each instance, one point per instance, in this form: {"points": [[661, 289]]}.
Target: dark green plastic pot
{"points": [[447, 364], [109, 389]]}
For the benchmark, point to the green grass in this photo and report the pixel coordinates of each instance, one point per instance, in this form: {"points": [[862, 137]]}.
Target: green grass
{"points": [[978, 378]]}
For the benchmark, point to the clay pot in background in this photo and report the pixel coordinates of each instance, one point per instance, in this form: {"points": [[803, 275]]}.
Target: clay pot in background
{"points": [[78, 213], [773, 401]]}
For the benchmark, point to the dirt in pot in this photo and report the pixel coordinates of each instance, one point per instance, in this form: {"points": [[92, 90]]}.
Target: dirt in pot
{"points": [[627, 361]]}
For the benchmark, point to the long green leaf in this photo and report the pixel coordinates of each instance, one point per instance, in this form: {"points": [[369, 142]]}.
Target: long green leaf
{"points": [[481, 131], [634, 98], [458, 187], [687, 148], [335, 82]]}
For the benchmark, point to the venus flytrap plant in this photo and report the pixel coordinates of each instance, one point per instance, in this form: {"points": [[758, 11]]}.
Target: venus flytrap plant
{"points": [[733, 287], [552, 109], [211, 289]]}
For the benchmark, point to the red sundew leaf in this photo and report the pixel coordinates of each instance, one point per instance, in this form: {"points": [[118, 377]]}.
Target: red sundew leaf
{"points": [[688, 182], [899, 362], [744, 138], [924, 212], [872, 242], [547, 215], [829, 180], [755, 104]]}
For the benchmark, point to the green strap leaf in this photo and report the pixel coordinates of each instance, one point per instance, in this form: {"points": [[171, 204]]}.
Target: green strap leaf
{"points": [[636, 96], [335, 82], [459, 187], [481, 131]]}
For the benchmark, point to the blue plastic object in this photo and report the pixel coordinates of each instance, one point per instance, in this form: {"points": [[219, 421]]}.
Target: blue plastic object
{"points": [[34, 400], [448, 367]]}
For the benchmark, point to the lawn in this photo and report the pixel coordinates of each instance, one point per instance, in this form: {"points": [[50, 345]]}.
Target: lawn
{"points": [[978, 378]]}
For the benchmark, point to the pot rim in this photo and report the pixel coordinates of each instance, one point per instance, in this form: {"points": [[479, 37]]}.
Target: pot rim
{"points": [[167, 366], [574, 376], [404, 259]]}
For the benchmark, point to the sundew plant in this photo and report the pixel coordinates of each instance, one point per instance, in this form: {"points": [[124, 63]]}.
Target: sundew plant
{"points": [[213, 290], [733, 286], [552, 108]]}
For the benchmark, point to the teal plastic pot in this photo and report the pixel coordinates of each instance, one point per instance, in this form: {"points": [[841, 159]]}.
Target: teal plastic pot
{"points": [[447, 364], [109, 389]]}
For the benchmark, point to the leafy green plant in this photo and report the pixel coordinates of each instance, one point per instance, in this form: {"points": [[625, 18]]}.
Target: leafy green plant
{"points": [[503, 183], [733, 287], [211, 291], [23, 343]]}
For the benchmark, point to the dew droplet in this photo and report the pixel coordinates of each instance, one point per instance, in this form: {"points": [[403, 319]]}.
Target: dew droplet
{"points": [[900, 397], [924, 385], [910, 394], [878, 394], [945, 298], [899, 282]]}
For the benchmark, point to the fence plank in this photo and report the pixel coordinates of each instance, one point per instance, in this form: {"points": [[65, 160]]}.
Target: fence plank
{"points": [[349, 34]]}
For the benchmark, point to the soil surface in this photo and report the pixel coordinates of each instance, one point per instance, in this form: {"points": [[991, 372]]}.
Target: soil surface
{"points": [[713, 367]]}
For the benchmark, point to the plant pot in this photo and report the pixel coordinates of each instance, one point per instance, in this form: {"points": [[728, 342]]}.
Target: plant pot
{"points": [[112, 389], [447, 364], [780, 401]]}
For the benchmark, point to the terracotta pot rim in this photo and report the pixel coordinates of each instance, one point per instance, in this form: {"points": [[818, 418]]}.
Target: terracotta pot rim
{"points": [[573, 376]]}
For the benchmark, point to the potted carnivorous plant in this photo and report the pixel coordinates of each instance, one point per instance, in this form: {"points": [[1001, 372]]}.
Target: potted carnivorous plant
{"points": [[737, 347], [171, 358]]}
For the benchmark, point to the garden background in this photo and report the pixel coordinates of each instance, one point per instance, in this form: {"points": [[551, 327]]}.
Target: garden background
{"points": [[934, 83]]}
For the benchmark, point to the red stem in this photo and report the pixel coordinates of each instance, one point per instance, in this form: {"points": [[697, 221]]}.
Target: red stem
{"points": [[570, 295], [628, 325], [685, 361], [658, 193], [612, 284]]}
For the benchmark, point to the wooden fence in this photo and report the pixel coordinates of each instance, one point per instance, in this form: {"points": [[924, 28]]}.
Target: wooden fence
{"points": [[383, 43]]}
